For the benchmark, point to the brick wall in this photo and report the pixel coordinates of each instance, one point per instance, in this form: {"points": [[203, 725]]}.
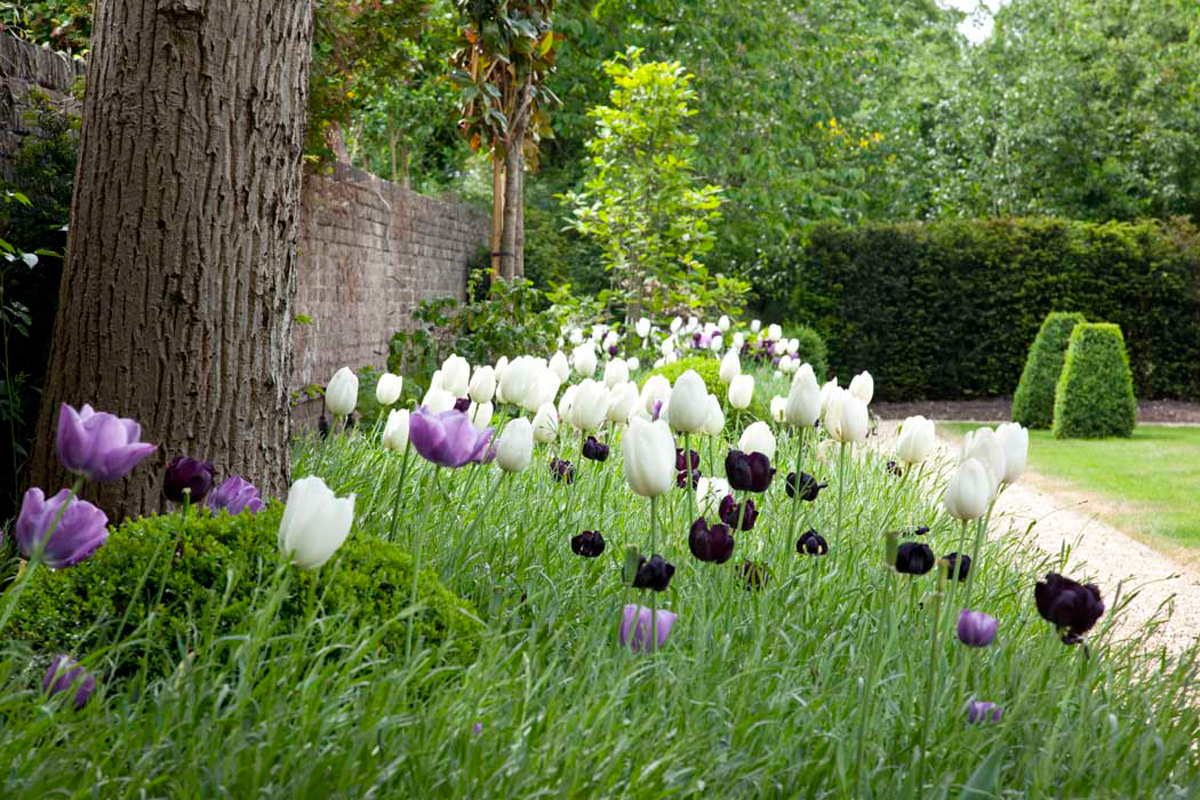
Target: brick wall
{"points": [[370, 251], [24, 66]]}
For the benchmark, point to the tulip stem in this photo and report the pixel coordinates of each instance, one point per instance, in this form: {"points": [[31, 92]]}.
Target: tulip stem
{"points": [[399, 495], [687, 463], [796, 488], [841, 490], [980, 529], [957, 570], [654, 594], [930, 671]]}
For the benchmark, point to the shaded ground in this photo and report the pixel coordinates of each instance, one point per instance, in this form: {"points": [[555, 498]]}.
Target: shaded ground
{"points": [[999, 409]]}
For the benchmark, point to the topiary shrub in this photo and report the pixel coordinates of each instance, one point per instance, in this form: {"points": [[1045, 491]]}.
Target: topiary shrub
{"points": [[1095, 396], [211, 575], [1033, 401], [709, 369]]}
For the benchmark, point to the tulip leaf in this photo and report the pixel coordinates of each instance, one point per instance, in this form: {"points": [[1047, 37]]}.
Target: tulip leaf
{"points": [[633, 558], [983, 780]]}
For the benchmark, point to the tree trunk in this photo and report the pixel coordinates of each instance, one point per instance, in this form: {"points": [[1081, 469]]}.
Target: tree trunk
{"points": [[519, 252], [175, 302], [497, 212], [514, 165]]}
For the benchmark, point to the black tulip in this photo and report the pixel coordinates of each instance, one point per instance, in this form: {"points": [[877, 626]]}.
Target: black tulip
{"points": [[959, 563], [1072, 606], [462, 404], [914, 558], [595, 450], [809, 488], [756, 574], [188, 478], [612, 351], [562, 470], [712, 544], [894, 469], [588, 544], [351, 421], [812, 543], [731, 512], [653, 574], [323, 426], [681, 462], [918, 531], [748, 472]]}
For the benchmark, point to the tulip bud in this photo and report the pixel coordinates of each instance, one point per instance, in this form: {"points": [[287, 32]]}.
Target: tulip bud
{"points": [[341, 395], [755, 325], [916, 440], [654, 574], [709, 493], [595, 450], [748, 472], [1074, 608], [958, 566], [437, 400], [710, 544], [741, 391], [395, 430], [514, 448], [584, 357], [676, 324], [774, 332], [976, 629], [758, 438], [808, 486], [188, 479], [80, 531], [862, 386], [779, 409], [656, 388], [846, 417], [969, 491], [803, 405], [483, 385], [723, 323], [731, 367], [812, 543], [983, 711], [616, 372], [315, 523], [1014, 441], [633, 362], [388, 388], [689, 403], [480, 414], [456, 375], [588, 544], [545, 424], [737, 515], [622, 403], [714, 423], [649, 457], [982, 444], [562, 470], [560, 365], [589, 407], [639, 624], [65, 673], [234, 495], [643, 327], [518, 380], [914, 558]]}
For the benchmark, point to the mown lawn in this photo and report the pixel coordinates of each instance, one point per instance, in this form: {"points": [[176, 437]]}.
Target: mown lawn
{"points": [[1149, 484]]}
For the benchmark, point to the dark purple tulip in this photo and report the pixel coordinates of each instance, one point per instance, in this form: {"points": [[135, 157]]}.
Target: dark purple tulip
{"points": [[730, 512], [756, 574], [812, 543], [588, 544], [323, 427], [681, 466], [809, 488], [98, 446], [65, 673], [562, 470], [612, 351], [80, 532], [959, 563], [712, 544], [914, 558], [594, 450], [976, 629], [448, 439], [235, 495], [1073, 607], [462, 404], [921, 531], [983, 711], [748, 472], [894, 469], [653, 574], [188, 479]]}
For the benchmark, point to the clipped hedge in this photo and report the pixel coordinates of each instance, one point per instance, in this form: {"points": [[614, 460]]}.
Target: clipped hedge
{"points": [[813, 349], [947, 309], [211, 575], [1094, 397], [1033, 402]]}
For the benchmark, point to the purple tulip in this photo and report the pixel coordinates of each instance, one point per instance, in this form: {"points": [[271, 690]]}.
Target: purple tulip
{"points": [[731, 513], [448, 439], [64, 673], [658, 404], [636, 626], [983, 711], [595, 449], [812, 543], [235, 495], [976, 629], [710, 543], [188, 479], [562, 470], [588, 544], [462, 404], [1073, 607], [809, 488], [98, 446], [80, 532], [748, 472]]}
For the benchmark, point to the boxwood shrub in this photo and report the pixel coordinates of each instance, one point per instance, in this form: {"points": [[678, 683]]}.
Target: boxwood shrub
{"points": [[1094, 397], [709, 369], [1033, 402], [211, 574]]}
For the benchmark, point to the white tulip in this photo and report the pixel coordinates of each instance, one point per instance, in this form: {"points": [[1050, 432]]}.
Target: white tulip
{"points": [[777, 375], [514, 448], [779, 408], [518, 380], [560, 365], [611, 339], [437, 400], [689, 403], [916, 440], [341, 395], [755, 325], [649, 457], [741, 391], [709, 494], [731, 365], [545, 388], [862, 386], [633, 362], [483, 385], [1015, 441], [545, 424], [623, 401], [676, 324], [793, 347], [501, 364], [456, 375], [828, 390], [723, 323], [804, 399], [590, 405], [388, 388], [714, 423], [671, 358], [846, 418], [969, 491], [566, 401], [982, 444], [659, 362], [643, 327], [395, 430], [774, 332], [739, 339], [715, 343], [315, 523], [757, 438], [615, 371], [576, 336], [480, 414], [785, 364], [693, 323], [584, 357], [655, 389]]}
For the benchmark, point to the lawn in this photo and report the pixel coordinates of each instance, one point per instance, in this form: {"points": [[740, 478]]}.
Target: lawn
{"points": [[1150, 484]]}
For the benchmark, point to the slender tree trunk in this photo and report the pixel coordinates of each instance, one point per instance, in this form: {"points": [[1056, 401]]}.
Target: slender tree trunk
{"points": [[175, 302], [513, 165], [519, 252], [497, 212]]}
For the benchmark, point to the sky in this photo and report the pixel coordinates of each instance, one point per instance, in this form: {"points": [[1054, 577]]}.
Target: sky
{"points": [[978, 26]]}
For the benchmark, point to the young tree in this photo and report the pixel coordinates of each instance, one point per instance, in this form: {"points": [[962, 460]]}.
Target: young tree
{"points": [[175, 304]]}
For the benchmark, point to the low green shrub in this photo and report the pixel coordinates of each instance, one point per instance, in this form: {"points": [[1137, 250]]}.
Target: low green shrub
{"points": [[1033, 402], [709, 369], [203, 579], [813, 349], [1095, 396]]}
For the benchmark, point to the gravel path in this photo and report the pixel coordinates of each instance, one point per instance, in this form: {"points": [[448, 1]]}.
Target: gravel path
{"points": [[1149, 580], [999, 409]]}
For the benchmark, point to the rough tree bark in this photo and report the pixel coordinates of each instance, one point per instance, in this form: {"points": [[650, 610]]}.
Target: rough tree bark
{"points": [[175, 302]]}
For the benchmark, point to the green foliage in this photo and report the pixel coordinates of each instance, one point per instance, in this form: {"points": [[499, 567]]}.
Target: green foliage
{"points": [[202, 579], [1033, 401], [710, 370], [813, 350], [1094, 397], [946, 309], [65, 25]]}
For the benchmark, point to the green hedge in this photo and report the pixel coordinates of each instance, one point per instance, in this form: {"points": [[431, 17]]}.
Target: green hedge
{"points": [[211, 576], [1033, 402], [813, 350], [1094, 397], [947, 309]]}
